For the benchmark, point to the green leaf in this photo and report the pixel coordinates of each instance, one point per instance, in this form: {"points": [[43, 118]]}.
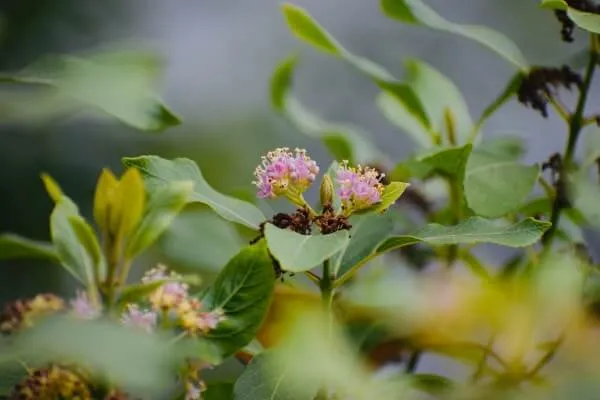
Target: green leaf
{"points": [[157, 171], [396, 106], [218, 391], [508, 92], [138, 291], [164, 205], [181, 245], [87, 238], [10, 375], [438, 95], [390, 195], [590, 143], [495, 186], [510, 147], [14, 246], [343, 141], [432, 384], [263, 380], [416, 12], [367, 233], [306, 29], [71, 249], [584, 195], [243, 290], [399, 101], [471, 231], [585, 20], [298, 253], [119, 84], [134, 360], [447, 162]]}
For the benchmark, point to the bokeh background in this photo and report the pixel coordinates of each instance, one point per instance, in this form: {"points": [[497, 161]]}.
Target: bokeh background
{"points": [[219, 55]]}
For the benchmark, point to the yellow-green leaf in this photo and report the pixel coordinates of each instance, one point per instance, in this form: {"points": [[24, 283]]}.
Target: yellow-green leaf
{"points": [[390, 195], [585, 20], [304, 27], [103, 197], [52, 187], [132, 196]]}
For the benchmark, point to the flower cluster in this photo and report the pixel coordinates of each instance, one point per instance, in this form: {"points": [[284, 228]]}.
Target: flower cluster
{"points": [[360, 187], [21, 314], [50, 383], [285, 173], [172, 300]]}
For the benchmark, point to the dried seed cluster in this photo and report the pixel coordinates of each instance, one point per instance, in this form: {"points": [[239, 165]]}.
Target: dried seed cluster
{"points": [[21, 313], [541, 83]]}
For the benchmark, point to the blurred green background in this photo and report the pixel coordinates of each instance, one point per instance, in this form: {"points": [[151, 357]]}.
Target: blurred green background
{"points": [[218, 59]]}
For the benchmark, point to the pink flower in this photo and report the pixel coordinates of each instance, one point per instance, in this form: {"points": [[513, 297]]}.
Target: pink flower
{"points": [[83, 307], [141, 319], [282, 173], [169, 294], [359, 187]]}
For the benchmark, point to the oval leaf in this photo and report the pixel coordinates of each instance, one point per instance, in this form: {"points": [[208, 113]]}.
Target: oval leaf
{"points": [[243, 291], [391, 194], [495, 186], [157, 171], [119, 84], [263, 380], [298, 253], [471, 231], [416, 12]]}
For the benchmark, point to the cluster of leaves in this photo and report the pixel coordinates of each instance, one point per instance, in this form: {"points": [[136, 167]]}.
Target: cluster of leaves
{"points": [[358, 328]]}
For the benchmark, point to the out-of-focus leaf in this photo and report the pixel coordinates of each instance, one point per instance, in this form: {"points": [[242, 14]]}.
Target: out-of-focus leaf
{"points": [[10, 375], [448, 162], [14, 246], [439, 95], [105, 189], [417, 12], [398, 101], [590, 143], [431, 383], [243, 291], [344, 142], [132, 359], [164, 205], [585, 20], [119, 84], [129, 203], [218, 391], [297, 252], [368, 231], [315, 352], [495, 186], [471, 231], [87, 238], [584, 195], [72, 252], [508, 92], [262, 380], [182, 246], [510, 147], [158, 171]]}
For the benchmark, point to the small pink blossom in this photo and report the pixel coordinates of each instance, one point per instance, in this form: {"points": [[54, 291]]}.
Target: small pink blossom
{"points": [[282, 172], [207, 321], [359, 187], [83, 307], [141, 319], [169, 294]]}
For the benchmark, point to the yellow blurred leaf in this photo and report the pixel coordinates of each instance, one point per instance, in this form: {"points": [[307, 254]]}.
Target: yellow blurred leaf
{"points": [[129, 201], [52, 187], [103, 198]]}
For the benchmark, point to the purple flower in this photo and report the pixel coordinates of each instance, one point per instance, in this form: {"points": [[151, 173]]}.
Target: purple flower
{"points": [[83, 307], [359, 187], [141, 319], [283, 173]]}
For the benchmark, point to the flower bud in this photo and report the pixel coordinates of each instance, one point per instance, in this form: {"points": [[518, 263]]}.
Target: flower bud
{"points": [[326, 191]]}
